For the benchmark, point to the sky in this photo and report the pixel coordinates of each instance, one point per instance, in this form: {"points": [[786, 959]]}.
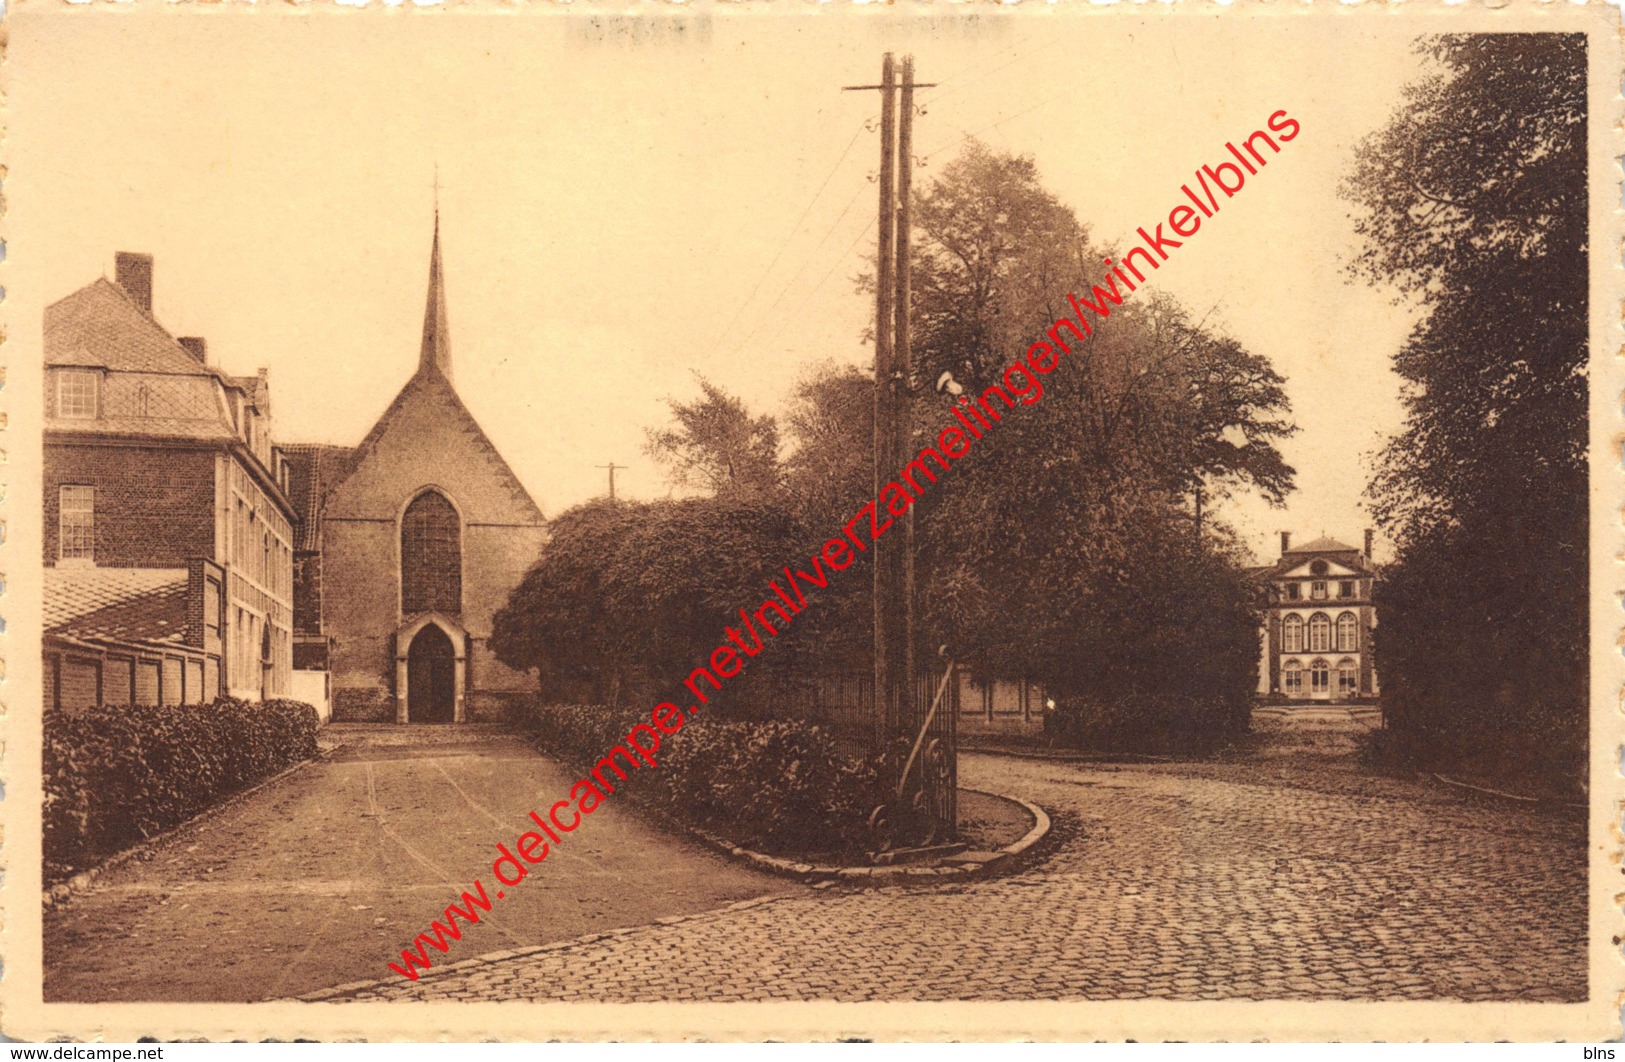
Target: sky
{"points": [[620, 210]]}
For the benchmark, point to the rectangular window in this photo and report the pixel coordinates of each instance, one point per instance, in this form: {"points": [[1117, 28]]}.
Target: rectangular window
{"points": [[1317, 590], [1345, 588], [76, 523], [76, 393], [1294, 592]]}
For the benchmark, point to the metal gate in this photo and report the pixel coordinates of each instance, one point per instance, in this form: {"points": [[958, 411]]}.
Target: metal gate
{"points": [[919, 770]]}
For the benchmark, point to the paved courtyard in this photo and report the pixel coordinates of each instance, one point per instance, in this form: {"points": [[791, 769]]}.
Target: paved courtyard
{"points": [[1220, 882], [320, 878]]}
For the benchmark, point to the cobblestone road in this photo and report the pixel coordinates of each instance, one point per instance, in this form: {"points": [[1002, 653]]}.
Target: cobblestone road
{"points": [[1158, 884]]}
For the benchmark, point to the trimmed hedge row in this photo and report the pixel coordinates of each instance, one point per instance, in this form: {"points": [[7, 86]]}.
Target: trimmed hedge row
{"points": [[116, 775], [779, 787]]}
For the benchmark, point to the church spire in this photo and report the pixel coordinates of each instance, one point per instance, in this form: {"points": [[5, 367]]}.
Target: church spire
{"points": [[436, 331]]}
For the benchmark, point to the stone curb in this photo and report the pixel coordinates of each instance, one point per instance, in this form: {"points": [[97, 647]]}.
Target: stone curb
{"points": [[1062, 756], [492, 958], [891, 875], [60, 893]]}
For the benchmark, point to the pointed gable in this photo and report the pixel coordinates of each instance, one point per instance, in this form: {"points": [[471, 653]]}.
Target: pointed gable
{"points": [[427, 437]]}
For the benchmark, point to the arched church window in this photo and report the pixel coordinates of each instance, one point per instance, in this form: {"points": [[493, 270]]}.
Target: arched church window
{"points": [[431, 556]]}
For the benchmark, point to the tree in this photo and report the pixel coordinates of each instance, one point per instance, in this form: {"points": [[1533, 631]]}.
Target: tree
{"points": [[1474, 205], [628, 598], [1063, 549], [717, 446]]}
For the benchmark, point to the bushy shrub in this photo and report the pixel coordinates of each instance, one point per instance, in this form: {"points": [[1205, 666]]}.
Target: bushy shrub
{"points": [[116, 774], [780, 786], [1143, 723]]}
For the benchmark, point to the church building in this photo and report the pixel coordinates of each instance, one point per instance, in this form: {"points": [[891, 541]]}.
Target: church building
{"points": [[407, 546]]}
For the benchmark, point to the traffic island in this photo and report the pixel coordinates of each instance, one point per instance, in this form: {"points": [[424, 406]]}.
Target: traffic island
{"points": [[995, 829]]}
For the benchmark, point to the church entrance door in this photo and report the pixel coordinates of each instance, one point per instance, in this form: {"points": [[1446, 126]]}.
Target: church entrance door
{"points": [[431, 677]]}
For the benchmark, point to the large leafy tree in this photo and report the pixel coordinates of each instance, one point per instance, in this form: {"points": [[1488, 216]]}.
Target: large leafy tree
{"points": [[716, 445], [1064, 549], [1474, 204], [628, 598]]}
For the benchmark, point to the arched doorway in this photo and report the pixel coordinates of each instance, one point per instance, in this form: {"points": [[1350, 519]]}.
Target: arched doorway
{"points": [[431, 677]]}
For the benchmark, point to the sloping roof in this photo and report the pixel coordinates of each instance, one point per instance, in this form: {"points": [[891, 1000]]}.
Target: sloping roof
{"points": [[428, 379], [150, 427], [99, 325], [117, 604], [1324, 544], [313, 470]]}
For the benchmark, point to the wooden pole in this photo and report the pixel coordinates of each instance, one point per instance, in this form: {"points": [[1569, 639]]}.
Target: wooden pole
{"points": [[903, 655], [885, 368]]}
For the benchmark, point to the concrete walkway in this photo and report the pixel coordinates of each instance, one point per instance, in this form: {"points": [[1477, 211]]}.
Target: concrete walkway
{"points": [[323, 877]]}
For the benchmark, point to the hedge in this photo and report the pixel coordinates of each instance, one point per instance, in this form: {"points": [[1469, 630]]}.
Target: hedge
{"points": [[116, 775], [782, 787]]}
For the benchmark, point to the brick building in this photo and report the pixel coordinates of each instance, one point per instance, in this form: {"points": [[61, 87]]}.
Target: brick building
{"points": [[408, 544], [1316, 640], [167, 529]]}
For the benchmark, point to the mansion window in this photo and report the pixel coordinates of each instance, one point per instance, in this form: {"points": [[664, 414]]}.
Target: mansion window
{"points": [[1317, 590], [76, 523], [431, 556], [1292, 677], [1345, 588], [1348, 678], [1292, 634], [1320, 677], [1348, 633], [1294, 592], [1320, 633], [76, 393]]}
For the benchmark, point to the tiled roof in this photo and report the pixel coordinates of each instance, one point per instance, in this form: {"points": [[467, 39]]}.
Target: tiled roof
{"points": [[98, 325], [313, 469], [117, 604], [1324, 545]]}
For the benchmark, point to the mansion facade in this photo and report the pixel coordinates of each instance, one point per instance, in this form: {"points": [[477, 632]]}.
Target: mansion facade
{"points": [[1316, 640]]}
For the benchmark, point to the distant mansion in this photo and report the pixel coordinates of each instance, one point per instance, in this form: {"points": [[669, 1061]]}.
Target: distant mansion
{"points": [[1315, 644]]}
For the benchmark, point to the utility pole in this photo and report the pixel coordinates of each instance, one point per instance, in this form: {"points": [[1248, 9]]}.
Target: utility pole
{"points": [[612, 466], [893, 560], [885, 708], [903, 390]]}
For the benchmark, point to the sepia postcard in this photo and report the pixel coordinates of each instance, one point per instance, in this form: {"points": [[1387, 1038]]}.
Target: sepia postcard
{"points": [[743, 521]]}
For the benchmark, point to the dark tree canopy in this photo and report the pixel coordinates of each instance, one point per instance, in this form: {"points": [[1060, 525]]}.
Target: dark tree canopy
{"points": [[1474, 206]]}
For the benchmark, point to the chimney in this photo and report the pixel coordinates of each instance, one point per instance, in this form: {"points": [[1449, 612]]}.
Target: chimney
{"points": [[133, 272], [1286, 541], [196, 346], [1370, 538]]}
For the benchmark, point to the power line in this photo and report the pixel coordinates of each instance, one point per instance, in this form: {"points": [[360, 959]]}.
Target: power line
{"points": [[995, 125], [785, 243], [805, 263]]}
